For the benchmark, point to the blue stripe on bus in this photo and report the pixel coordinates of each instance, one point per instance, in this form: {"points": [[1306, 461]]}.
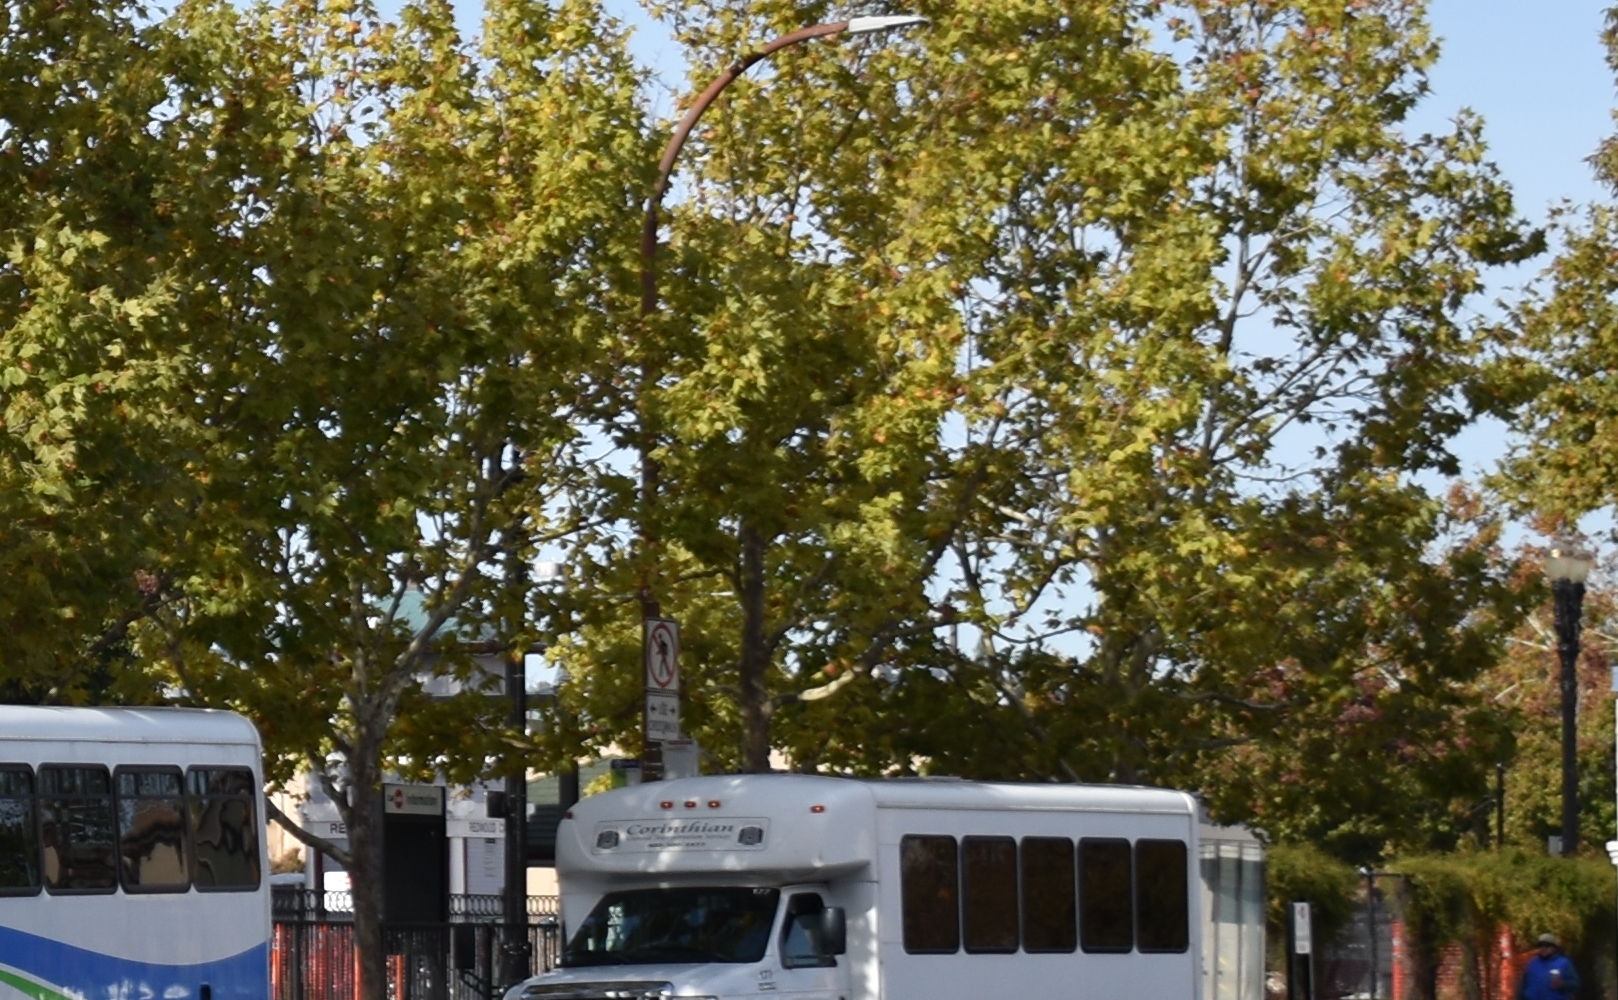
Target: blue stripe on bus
{"points": [[65, 969]]}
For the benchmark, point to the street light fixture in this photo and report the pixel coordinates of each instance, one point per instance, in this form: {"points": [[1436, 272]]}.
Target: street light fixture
{"points": [[866, 25], [650, 609], [1568, 566]]}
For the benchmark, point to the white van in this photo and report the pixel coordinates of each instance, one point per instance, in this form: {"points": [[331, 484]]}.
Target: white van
{"points": [[818, 888]]}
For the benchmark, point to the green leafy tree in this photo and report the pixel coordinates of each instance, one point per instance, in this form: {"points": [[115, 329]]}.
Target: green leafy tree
{"points": [[1556, 380], [1054, 393], [330, 293], [107, 203]]}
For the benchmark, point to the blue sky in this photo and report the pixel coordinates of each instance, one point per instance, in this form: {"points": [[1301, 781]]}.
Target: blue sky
{"points": [[1535, 70]]}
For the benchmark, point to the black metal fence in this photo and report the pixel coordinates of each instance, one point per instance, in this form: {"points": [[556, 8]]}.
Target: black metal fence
{"points": [[297, 903], [474, 956]]}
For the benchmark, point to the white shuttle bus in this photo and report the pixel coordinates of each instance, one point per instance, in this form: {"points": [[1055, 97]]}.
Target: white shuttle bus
{"points": [[131, 859], [820, 888]]}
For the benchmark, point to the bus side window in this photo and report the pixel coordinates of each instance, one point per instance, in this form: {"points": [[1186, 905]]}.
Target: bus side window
{"points": [[76, 829], [1106, 896], [152, 853], [929, 885], [19, 832], [223, 805], [1161, 896], [1050, 919], [801, 944], [989, 897]]}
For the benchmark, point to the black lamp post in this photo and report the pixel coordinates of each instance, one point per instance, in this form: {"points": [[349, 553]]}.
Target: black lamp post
{"points": [[1568, 566]]}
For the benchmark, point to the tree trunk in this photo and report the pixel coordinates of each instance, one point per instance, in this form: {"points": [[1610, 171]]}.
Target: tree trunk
{"points": [[755, 660], [365, 874]]}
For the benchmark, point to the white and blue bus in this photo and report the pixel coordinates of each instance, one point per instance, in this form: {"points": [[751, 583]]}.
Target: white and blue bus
{"points": [[132, 860]]}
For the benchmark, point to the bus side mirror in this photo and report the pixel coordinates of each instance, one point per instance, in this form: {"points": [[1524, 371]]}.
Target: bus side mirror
{"points": [[834, 930]]}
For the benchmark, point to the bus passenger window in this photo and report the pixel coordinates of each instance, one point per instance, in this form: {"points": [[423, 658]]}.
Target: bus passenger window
{"points": [[224, 828], [19, 832], [1106, 918], [151, 830], [989, 899], [1161, 896], [1050, 919], [929, 885], [76, 829]]}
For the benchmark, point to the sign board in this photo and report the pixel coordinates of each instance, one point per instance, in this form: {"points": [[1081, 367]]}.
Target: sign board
{"points": [[485, 865], [662, 716], [413, 800], [480, 827], [649, 836], [681, 759], [662, 655], [662, 651], [1302, 939], [625, 773]]}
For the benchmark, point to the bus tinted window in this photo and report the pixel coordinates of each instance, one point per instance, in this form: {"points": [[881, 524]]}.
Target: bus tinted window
{"points": [[224, 828], [1161, 896], [989, 903], [19, 831], [1106, 920], [76, 828], [1050, 920], [928, 883], [151, 830]]}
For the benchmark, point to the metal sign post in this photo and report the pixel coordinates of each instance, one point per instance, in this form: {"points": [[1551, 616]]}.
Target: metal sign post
{"points": [[661, 648], [1300, 953]]}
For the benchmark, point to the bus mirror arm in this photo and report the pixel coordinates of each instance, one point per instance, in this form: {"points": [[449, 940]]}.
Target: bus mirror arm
{"points": [[834, 930]]}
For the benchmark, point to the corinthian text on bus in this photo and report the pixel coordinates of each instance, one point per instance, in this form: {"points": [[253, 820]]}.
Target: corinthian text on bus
{"points": [[747, 834]]}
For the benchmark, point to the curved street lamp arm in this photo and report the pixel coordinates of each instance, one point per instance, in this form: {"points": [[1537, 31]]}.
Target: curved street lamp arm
{"points": [[682, 131]]}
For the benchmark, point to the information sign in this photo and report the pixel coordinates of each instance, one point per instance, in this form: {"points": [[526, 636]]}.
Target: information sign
{"points": [[1302, 940]]}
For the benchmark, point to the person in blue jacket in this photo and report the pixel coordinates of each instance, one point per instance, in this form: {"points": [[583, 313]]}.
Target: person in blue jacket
{"points": [[1549, 975]]}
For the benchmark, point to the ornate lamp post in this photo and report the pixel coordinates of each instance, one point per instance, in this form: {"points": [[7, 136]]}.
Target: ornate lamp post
{"points": [[1568, 566]]}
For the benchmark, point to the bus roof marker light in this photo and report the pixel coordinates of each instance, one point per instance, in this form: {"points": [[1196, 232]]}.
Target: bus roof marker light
{"points": [[666, 804], [817, 809], [713, 803], [690, 803]]}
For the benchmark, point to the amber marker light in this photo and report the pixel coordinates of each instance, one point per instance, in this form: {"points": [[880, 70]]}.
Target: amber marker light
{"points": [[713, 804], [690, 804], [666, 804], [817, 809]]}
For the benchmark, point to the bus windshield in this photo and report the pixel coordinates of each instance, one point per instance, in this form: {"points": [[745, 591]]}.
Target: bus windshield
{"points": [[651, 926]]}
